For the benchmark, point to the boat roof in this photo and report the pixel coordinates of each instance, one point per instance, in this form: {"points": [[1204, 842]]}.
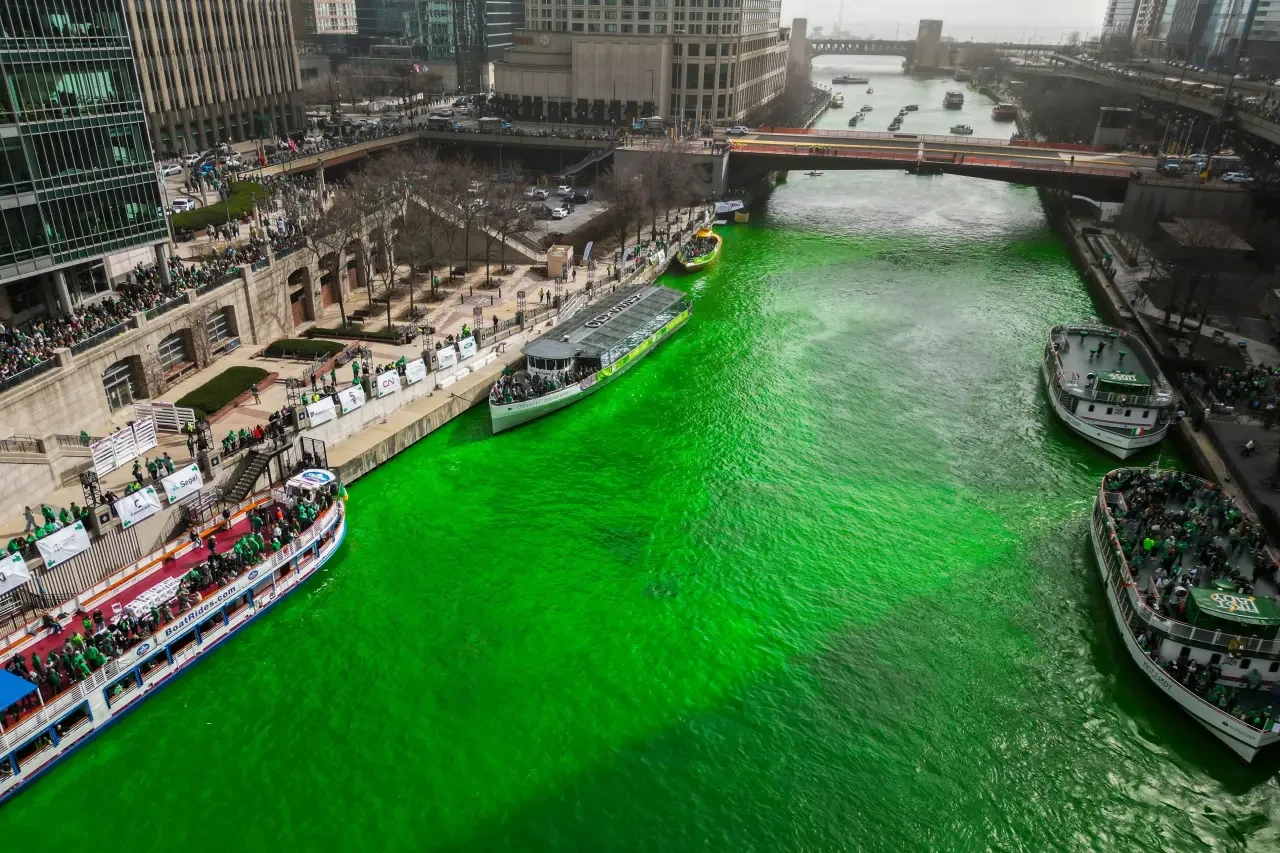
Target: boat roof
{"points": [[1124, 360], [13, 688], [312, 478], [606, 323], [1232, 607]]}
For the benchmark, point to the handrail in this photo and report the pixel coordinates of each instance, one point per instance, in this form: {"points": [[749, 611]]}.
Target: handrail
{"points": [[798, 149], [101, 337], [13, 380]]}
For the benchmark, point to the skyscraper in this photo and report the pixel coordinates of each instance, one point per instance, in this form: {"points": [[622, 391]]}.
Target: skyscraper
{"points": [[77, 177]]}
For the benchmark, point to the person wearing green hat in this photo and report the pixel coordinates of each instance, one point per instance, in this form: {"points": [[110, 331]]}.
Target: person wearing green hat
{"points": [[47, 511]]}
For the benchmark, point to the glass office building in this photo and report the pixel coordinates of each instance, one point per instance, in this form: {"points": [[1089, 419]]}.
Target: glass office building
{"points": [[77, 179]]}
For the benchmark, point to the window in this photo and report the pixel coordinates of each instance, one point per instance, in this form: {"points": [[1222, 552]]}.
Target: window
{"points": [[1185, 653], [1215, 659], [1128, 412], [220, 327], [693, 49], [1091, 407], [25, 295], [1246, 663], [1275, 666], [1146, 413], [1110, 409], [724, 49], [172, 351], [118, 381]]}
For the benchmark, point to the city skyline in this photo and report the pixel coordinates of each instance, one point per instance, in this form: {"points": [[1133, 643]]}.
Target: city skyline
{"points": [[961, 20]]}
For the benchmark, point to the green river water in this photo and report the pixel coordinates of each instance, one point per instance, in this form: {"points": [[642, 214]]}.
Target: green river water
{"points": [[812, 577]]}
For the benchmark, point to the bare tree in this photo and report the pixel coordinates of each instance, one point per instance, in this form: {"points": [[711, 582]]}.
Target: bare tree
{"points": [[466, 188], [622, 189], [382, 192], [1196, 254], [502, 216], [329, 228]]}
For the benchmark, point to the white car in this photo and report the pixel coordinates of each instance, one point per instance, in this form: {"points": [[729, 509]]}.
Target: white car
{"points": [[192, 159], [537, 193], [737, 130], [1236, 178], [182, 205], [563, 190], [171, 169], [559, 213]]}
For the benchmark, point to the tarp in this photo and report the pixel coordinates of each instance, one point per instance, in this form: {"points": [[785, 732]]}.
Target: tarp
{"points": [[466, 348], [321, 412], [13, 573], [57, 548], [352, 398], [13, 688], [1230, 607]]}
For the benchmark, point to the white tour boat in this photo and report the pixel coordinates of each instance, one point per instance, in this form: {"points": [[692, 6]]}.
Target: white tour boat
{"points": [[1198, 618], [1106, 386], [50, 730], [587, 351]]}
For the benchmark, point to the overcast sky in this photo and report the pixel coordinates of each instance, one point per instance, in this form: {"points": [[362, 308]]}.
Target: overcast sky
{"points": [[963, 19]]}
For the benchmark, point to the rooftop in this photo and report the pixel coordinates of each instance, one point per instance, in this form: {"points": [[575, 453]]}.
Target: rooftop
{"points": [[606, 323], [1204, 234], [1109, 354]]}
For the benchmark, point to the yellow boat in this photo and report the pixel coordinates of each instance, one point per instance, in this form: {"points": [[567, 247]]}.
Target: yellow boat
{"points": [[701, 252]]}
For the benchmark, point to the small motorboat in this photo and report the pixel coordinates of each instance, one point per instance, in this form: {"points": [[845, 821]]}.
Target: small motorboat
{"points": [[853, 122], [866, 108], [814, 174], [871, 91], [911, 108], [961, 129]]}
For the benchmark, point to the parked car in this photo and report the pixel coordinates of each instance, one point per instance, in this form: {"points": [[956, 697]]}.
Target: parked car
{"points": [[540, 211], [182, 205], [536, 193], [563, 190], [446, 113], [737, 130], [171, 169], [579, 195], [1237, 178], [559, 212], [192, 159]]}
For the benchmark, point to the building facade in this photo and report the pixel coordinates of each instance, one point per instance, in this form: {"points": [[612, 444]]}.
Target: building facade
{"points": [[77, 177], [1119, 21], [216, 70], [610, 61]]}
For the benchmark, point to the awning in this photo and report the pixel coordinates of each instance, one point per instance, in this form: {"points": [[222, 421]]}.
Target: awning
{"points": [[1136, 380], [1231, 607], [13, 688]]}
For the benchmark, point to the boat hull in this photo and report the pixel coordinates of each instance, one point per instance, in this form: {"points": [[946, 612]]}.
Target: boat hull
{"points": [[106, 713], [504, 416], [703, 262], [1244, 740], [1120, 446]]}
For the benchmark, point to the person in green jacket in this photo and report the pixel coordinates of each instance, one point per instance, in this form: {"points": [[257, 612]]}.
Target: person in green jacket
{"points": [[47, 511]]}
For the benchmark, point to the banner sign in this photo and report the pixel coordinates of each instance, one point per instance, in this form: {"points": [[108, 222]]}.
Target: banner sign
{"points": [[183, 482], [467, 346], [388, 383], [57, 548], [446, 358], [352, 398], [586, 253], [322, 412], [415, 371], [134, 507], [13, 573]]}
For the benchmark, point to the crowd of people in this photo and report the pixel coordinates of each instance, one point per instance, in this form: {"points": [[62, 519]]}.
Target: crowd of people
{"points": [[52, 522], [521, 386], [1203, 680], [101, 639], [1189, 533], [1251, 387]]}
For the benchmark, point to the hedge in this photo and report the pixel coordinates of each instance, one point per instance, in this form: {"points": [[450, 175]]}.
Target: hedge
{"points": [[243, 194], [293, 347], [221, 389], [355, 332]]}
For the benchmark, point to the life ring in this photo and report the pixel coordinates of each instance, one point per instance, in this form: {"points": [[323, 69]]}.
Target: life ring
{"points": [[1235, 647]]}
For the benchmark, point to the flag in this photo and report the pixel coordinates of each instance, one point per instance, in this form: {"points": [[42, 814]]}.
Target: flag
{"points": [[293, 146]]}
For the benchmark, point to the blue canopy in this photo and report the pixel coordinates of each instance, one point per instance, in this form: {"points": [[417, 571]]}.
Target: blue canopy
{"points": [[13, 688]]}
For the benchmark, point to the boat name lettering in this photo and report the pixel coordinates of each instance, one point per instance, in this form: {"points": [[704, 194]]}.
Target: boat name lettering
{"points": [[1234, 603], [600, 319], [203, 609], [1123, 377]]}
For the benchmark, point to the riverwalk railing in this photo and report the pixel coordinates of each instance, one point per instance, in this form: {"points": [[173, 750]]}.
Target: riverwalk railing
{"points": [[105, 335]]}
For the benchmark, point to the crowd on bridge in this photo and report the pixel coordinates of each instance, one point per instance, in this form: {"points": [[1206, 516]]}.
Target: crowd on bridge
{"points": [[104, 637]]}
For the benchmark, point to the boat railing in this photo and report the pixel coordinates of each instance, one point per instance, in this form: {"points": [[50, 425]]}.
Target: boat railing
{"points": [[1162, 397], [1118, 571]]}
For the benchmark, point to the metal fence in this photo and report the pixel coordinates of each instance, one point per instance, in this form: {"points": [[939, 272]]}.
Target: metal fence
{"points": [[165, 307], [100, 338], [15, 379], [21, 444]]}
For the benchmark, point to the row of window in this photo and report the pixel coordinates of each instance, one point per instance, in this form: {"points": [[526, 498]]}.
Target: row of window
{"points": [[80, 223], [84, 22], [71, 87], [641, 29], [67, 155]]}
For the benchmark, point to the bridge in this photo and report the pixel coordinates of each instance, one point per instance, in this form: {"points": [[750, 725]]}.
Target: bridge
{"points": [[1155, 88], [1080, 169]]}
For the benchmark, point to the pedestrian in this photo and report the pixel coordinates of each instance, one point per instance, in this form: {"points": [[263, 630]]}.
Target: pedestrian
{"points": [[1073, 159], [253, 389], [191, 446], [333, 378], [30, 518]]}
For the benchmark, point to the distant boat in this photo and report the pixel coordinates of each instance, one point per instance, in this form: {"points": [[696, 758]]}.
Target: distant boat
{"points": [[857, 117], [953, 100], [852, 81], [837, 101], [1004, 112], [961, 129], [871, 91], [866, 108], [911, 108], [814, 174]]}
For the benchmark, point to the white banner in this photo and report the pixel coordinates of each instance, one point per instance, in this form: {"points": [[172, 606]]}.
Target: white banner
{"points": [[13, 573], [352, 398], [467, 346], [415, 371], [183, 482], [61, 546], [322, 412], [388, 383], [446, 358], [138, 505]]}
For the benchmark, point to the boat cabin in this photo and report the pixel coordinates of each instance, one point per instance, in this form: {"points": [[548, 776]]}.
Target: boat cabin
{"points": [[1229, 612], [309, 484]]}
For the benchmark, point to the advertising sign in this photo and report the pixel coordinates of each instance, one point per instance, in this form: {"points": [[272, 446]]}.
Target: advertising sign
{"points": [[352, 398], [415, 371], [467, 346], [321, 412], [61, 546], [183, 482], [388, 383], [134, 507], [13, 573], [446, 358]]}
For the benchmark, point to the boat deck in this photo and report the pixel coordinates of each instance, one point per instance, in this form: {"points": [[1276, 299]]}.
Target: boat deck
{"points": [[1083, 357]]}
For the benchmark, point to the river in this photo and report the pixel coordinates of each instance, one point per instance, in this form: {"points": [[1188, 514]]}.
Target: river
{"points": [[814, 576]]}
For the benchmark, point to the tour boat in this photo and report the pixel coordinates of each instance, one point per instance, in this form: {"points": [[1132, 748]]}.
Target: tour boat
{"points": [[866, 108], [911, 107], [961, 129], [853, 81], [837, 101], [1004, 112], [63, 723], [857, 117], [1105, 385], [953, 100], [700, 252], [587, 351], [1207, 639], [963, 76], [870, 91]]}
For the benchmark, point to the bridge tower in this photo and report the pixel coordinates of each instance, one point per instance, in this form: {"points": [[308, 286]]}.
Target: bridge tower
{"points": [[929, 45]]}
